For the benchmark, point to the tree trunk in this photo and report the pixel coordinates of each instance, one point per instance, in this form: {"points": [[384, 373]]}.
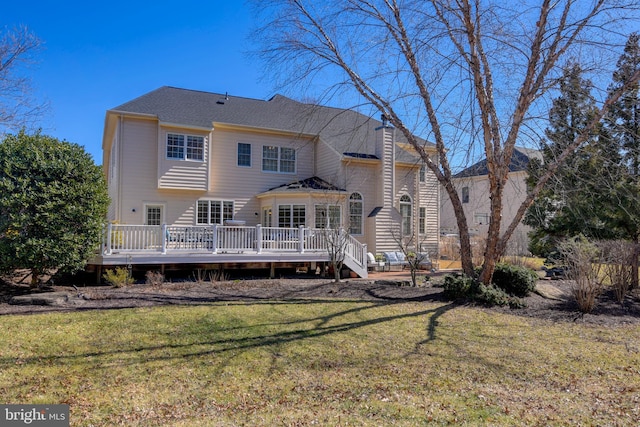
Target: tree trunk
{"points": [[634, 262], [35, 277], [463, 229], [491, 252]]}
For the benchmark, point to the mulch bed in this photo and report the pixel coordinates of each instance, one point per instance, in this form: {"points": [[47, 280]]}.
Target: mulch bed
{"points": [[18, 298]]}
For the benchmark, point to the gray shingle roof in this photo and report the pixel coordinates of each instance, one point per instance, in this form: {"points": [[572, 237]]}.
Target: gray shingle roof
{"points": [[519, 162], [345, 130], [313, 183]]}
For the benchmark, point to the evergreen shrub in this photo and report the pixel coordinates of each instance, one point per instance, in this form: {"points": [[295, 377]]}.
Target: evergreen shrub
{"points": [[514, 280]]}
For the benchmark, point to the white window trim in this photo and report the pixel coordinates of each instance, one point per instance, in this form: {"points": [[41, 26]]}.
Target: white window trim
{"points": [[422, 220], [279, 160], [147, 205], [402, 204], [483, 216], [250, 155], [222, 218], [291, 206], [327, 207], [464, 190], [267, 216], [184, 147], [360, 201]]}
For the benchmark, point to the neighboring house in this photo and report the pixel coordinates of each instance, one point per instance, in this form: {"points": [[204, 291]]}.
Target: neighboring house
{"points": [[473, 188], [184, 161]]}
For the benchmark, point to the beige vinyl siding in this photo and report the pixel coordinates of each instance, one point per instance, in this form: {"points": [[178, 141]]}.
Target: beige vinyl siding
{"points": [[383, 224], [228, 180], [387, 191], [182, 174], [388, 218], [113, 178], [361, 178], [405, 184], [479, 203], [428, 193], [329, 166], [138, 168]]}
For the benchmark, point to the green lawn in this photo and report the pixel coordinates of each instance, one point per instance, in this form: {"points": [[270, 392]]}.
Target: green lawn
{"points": [[320, 363]]}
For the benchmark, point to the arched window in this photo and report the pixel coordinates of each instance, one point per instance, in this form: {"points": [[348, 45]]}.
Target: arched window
{"points": [[405, 212], [355, 213]]}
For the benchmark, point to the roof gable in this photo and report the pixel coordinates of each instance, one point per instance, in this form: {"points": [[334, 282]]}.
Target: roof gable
{"points": [[519, 162]]}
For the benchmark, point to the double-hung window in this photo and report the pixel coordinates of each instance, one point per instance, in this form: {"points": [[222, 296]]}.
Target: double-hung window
{"points": [[355, 213], [481, 218], [214, 212], [405, 212], [153, 214], [328, 216], [291, 215], [465, 194], [185, 147], [278, 159], [287, 160], [422, 220], [244, 154]]}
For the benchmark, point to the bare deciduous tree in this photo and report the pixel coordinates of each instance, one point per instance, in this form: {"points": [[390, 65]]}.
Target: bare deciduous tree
{"points": [[471, 76], [409, 245], [17, 107]]}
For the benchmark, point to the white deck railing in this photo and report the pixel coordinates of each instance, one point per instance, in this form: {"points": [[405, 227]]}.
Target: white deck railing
{"points": [[217, 238], [163, 239]]}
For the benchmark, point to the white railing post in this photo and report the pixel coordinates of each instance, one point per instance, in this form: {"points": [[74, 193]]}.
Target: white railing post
{"points": [[164, 231], [259, 238], [301, 238], [108, 242], [214, 249]]}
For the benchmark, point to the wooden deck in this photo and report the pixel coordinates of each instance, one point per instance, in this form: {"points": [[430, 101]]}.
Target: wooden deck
{"points": [[165, 244]]}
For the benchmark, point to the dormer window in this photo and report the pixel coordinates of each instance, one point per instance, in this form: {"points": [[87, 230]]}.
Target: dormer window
{"points": [[185, 147]]}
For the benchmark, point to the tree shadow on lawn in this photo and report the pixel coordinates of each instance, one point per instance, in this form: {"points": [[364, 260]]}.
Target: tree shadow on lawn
{"points": [[244, 343]]}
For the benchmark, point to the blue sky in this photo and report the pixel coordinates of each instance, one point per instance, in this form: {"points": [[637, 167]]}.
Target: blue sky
{"points": [[99, 55]]}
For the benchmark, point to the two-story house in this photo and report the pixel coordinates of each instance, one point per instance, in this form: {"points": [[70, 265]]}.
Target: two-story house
{"points": [[472, 184], [185, 168]]}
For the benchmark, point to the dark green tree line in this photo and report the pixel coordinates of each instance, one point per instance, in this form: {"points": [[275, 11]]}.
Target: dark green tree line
{"points": [[596, 194]]}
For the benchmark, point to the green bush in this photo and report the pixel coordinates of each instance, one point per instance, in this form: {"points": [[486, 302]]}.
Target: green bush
{"points": [[514, 280], [461, 287], [492, 295], [118, 277]]}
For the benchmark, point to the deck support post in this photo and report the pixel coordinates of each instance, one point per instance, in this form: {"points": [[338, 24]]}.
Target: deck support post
{"points": [[259, 238], [214, 244], [301, 239], [108, 242], [164, 232], [272, 272]]}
